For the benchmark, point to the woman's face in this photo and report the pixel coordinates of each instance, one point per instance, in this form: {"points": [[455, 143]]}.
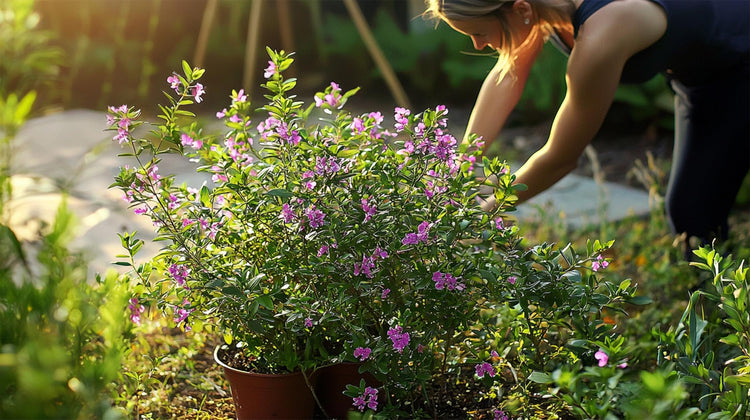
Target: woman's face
{"points": [[486, 31]]}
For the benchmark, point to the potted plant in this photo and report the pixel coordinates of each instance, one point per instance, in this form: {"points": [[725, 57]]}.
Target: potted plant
{"points": [[324, 238]]}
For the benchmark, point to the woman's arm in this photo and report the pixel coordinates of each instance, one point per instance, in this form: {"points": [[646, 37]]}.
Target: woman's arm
{"points": [[607, 40], [496, 99]]}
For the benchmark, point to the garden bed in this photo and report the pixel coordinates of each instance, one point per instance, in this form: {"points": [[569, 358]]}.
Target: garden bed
{"points": [[191, 384]]}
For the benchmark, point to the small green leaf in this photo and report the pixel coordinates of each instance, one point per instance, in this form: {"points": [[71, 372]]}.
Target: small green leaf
{"points": [[24, 107], [265, 301], [653, 381], [540, 378], [186, 69], [280, 193], [641, 300], [205, 196], [737, 379]]}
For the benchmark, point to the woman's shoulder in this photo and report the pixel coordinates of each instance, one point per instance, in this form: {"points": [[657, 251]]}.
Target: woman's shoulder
{"points": [[626, 25]]}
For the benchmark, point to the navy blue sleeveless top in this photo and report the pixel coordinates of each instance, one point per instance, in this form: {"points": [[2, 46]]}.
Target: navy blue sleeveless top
{"points": [[704, 40]]}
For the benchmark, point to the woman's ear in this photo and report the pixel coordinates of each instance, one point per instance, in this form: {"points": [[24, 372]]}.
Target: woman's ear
{"points": [[523, 9]]}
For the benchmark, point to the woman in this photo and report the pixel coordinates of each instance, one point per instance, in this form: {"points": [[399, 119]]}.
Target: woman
{"points": [[702, 47]]}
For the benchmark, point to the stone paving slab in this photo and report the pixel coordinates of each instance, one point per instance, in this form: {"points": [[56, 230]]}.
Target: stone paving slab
{"points": [[583, 202], [70, 151]]}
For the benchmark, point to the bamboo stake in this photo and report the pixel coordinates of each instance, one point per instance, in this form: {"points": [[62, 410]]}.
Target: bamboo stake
{"points": [[251, 47], [377, 54], [285, 25], [206, 24]]}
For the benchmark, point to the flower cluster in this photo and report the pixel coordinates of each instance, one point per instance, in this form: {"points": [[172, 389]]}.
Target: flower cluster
{"points": [[135, 311], [399, 338], [369, 398], [599, 264], [362, 353]]}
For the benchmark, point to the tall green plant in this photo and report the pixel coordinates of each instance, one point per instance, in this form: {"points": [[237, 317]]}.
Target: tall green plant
{"points": [[13, 113], [28, 59], [61, 336], [710, 347]]}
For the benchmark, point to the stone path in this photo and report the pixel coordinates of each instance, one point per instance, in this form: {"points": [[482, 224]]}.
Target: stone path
{"points": [[70, 152]]}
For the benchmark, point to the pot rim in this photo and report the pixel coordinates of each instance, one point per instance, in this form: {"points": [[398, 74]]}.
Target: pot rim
{"points": [[227, 367]]}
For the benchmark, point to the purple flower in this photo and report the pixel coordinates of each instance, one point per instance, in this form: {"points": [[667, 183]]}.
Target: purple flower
{"points": [[599, 264], [124, 123], [484, 368], [221, 114], [369, 398], [174, 82], [399, 338], [421, 236], [179, 273], [174, 202], [362, 353], [379, 253], [358, 126], [332, 98], [135, 311], [602, 357], [446, 281], [217, 175], [384, 294], [308, 323], [322, 250], [121, 136], [512, 279], [289, 136], [315, 217], [368, 209], [240, 98], [500, 415], [198, 91], [401, 115], [182, 314], [186, 140], [326, 165], [269, 71], [286, 213], [377, 117], [499, 223], [365, 268]]}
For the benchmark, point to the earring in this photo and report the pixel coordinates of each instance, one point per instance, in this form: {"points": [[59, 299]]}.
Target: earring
{"points": [[526, 21]]}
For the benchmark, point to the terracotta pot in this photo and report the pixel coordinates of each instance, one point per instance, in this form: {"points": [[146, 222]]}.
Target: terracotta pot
{"points": [[261, 396], [331, 383]]}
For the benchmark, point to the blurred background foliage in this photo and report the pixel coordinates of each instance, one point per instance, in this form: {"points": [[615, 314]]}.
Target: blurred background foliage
{"points": [[100, 48]]}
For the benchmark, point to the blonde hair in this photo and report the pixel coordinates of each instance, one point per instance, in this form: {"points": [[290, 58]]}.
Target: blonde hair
{"points": [[548, 15]]}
